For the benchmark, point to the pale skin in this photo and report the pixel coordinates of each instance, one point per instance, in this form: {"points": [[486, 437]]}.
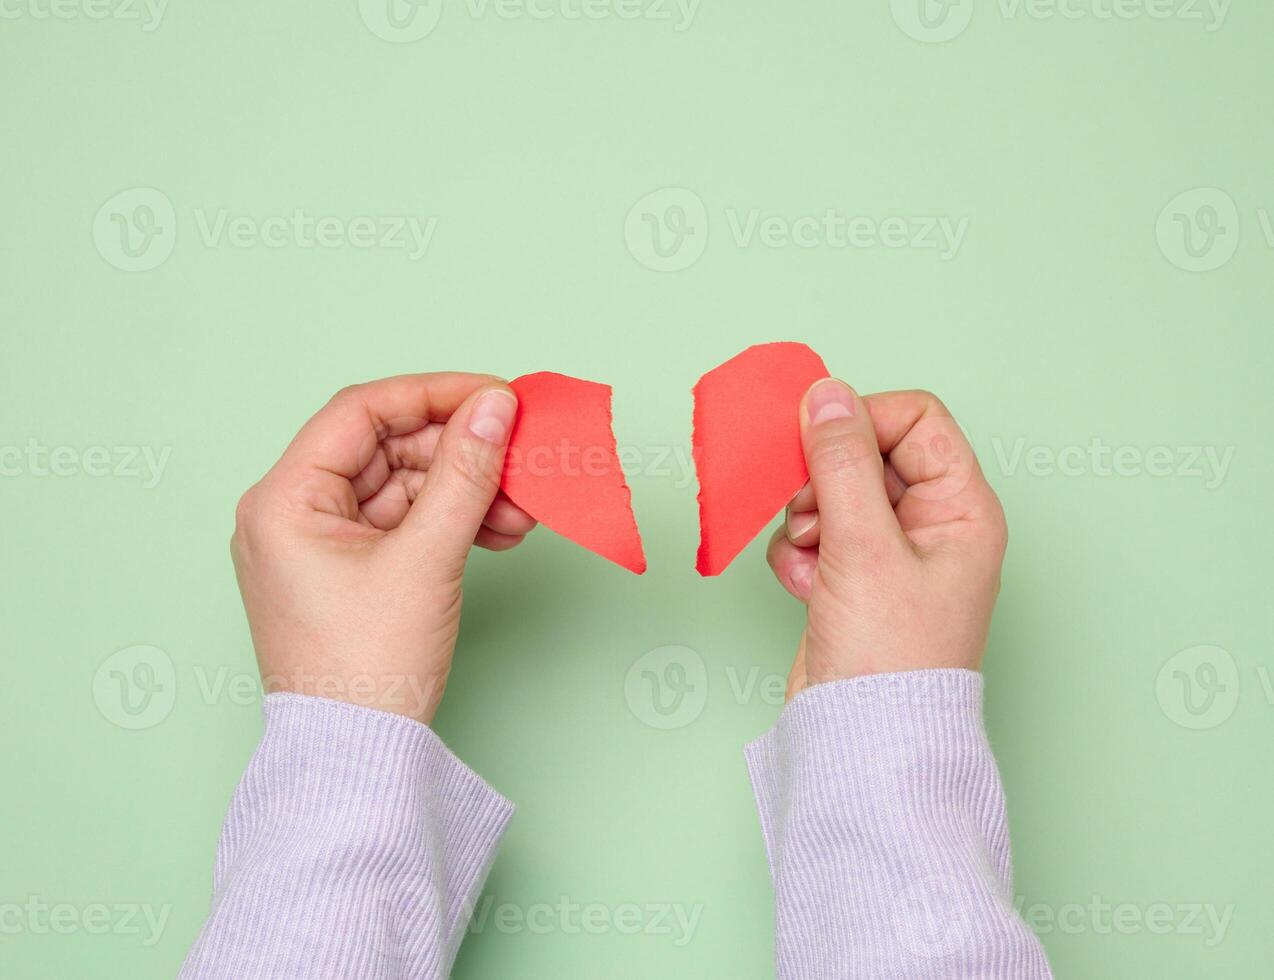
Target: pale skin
{"points": [[350, 552], [896, 542]]}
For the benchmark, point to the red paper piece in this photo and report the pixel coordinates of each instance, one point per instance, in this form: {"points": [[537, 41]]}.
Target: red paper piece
{"points": [[747, 445], [563, 468]]}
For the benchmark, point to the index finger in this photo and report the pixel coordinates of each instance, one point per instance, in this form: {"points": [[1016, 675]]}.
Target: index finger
{"points": [[929, 452]]}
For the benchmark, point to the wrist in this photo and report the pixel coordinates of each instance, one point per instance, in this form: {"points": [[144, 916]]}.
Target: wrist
{"points": [[409, 694]]}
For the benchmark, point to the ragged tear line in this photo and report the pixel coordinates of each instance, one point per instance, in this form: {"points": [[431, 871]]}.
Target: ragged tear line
{"points": [[747, 445], [563, 467]]}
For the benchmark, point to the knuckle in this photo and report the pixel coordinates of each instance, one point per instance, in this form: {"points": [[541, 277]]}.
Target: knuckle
{"points": [[474, 462], [348, 394], [846, 450], [393, 454], [249, 519], [247, 510], [988, 537], [932, 404]]}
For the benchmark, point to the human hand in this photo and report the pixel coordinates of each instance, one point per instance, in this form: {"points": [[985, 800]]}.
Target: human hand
{"points": [[351, 550], [895, 544]]}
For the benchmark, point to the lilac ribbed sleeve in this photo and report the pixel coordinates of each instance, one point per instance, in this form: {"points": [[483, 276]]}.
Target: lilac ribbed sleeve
{"points": [[354, 847], [356, 842], [885, 827]]}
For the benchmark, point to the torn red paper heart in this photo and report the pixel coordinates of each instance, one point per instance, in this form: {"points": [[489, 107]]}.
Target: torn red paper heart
{"points": [[563, 469], [747, 445]]}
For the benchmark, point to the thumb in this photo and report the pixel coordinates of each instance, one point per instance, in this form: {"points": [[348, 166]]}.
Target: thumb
{"points": [[846, 470], [463, 477]]}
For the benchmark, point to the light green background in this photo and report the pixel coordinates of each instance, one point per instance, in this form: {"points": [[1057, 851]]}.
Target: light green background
{"points": [[1065, 316]]}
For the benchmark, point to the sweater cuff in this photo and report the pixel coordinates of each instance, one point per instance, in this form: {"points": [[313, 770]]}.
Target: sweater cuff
{"points": [[892, 748], [893, 714], [374, 759], [342, 794]]}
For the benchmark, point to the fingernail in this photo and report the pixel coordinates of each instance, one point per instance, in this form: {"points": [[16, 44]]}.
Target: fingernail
{"points": [[492, 416], [828, 400], [798, 524]]}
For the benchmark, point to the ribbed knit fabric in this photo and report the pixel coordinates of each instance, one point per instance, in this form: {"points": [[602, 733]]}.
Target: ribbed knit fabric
{"points": [[354, 848], [356, 843], [885, 827]]}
